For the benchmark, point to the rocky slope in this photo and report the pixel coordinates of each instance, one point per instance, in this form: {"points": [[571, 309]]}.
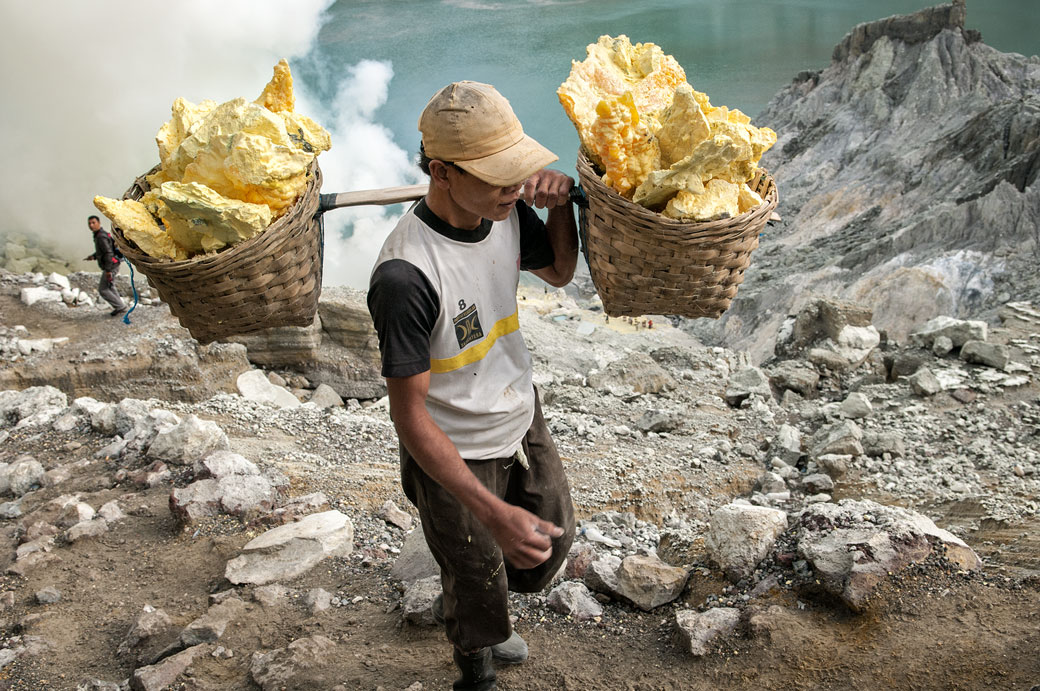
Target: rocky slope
{"points": [[907, 172], [732, 518]]}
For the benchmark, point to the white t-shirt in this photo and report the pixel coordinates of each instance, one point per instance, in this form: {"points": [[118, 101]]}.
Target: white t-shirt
{"points": [[481, 392]]}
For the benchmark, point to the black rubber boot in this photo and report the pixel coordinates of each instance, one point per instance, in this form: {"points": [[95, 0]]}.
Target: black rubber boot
{"points": [[477, 672]]}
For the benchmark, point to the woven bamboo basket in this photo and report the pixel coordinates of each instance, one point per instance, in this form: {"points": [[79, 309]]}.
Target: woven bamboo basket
{"points": [[272, 279], [644, 263]]}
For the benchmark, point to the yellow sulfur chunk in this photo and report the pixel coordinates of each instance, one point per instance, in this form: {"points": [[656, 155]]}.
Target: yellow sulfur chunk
{"points": [[278, 96], [719, 200], [186, 117], [683, 126], [204, 221], [237, 115], [226, 171], [716, 157], [253, 169], [722, 156], [662, 185], [138, 225], [612, 67], [305, 134], [724, 114], [666, 138], [748, 199], [623, 144]]}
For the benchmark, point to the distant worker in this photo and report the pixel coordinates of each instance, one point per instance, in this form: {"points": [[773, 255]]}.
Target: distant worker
{"points": [[108, 262]]}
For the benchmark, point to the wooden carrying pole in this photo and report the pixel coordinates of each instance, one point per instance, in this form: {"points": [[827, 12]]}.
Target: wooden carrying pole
{"points": [[384, 196]]}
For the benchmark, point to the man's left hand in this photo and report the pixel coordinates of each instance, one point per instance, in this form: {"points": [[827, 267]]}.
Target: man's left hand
{"points": [[547, 189]]}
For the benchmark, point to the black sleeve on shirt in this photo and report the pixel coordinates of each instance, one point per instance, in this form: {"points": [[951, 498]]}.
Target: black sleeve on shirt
{"points": [[535, 250], [404, 309]]}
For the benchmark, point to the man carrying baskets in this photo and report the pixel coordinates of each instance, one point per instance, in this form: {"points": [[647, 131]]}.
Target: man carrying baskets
{"points": [[108, 261], [476, 457]]}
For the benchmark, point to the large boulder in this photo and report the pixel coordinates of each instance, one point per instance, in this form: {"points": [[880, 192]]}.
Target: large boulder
{"points": [[853, 546]]}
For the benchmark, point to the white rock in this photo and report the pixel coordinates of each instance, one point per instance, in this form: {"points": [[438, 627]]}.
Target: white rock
{"points": [[326, 397], [255, 386], [34, 294], [189, 441], [21, 476], [290, 550], [787, 444], [56, 279], [111, 512], [219, 464]]}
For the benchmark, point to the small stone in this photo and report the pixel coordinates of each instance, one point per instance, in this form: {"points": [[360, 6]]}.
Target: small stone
{"points": [[574, 599], [318, 600], [48, 596], [393, 515], [222, 653], [817, 482], [941, 346], [923, 382], [270, 595], [416, 605], [696, 631], [857, 405]]}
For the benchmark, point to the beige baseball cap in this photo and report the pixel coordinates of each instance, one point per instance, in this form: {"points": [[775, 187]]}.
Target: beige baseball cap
{"points": [[472, 125]]}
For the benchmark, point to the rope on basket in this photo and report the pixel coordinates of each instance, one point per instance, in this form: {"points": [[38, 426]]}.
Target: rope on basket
{"points": [[126, 317]]}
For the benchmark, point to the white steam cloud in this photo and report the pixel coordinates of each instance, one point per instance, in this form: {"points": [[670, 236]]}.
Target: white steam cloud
{"points": [[363, 156], [87, 85]]}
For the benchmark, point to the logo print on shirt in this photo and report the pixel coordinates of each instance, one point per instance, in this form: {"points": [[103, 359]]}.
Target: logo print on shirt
{"points": [[467, 325]]}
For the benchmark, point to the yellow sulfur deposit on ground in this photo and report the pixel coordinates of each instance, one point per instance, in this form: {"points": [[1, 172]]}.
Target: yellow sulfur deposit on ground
{"points": [[226, 172], [659, 142]]}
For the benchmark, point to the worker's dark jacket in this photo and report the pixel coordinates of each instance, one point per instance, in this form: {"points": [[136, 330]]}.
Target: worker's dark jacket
{"points": [[105, 250]]}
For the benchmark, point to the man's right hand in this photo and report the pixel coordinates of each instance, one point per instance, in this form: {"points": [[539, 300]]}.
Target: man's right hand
{"points": [[524, 538], [108, 276]]}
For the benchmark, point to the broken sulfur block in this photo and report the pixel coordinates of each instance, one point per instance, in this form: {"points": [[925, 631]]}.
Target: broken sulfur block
{"points": [[226, 172], [202, 220], [140, 226], [654, 136]]}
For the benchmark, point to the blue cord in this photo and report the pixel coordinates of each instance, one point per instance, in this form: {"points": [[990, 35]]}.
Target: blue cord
{"points": [[126, 317]]}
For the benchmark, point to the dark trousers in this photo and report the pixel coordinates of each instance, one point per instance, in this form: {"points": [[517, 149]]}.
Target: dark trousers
{"points": [[107, 288], [474, 575]]}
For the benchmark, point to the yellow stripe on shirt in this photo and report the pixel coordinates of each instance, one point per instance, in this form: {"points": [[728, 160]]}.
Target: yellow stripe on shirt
{"points": [[501, 328]]}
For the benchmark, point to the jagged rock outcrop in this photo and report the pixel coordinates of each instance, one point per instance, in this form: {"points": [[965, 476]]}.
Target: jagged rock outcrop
{"points": [[908, 182]]}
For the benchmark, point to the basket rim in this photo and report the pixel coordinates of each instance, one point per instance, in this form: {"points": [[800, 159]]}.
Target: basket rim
{"points": [[206, 261], [589, 176]]}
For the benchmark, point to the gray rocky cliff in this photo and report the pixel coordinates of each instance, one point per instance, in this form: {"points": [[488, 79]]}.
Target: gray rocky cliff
{"points": [[907, 172]]}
